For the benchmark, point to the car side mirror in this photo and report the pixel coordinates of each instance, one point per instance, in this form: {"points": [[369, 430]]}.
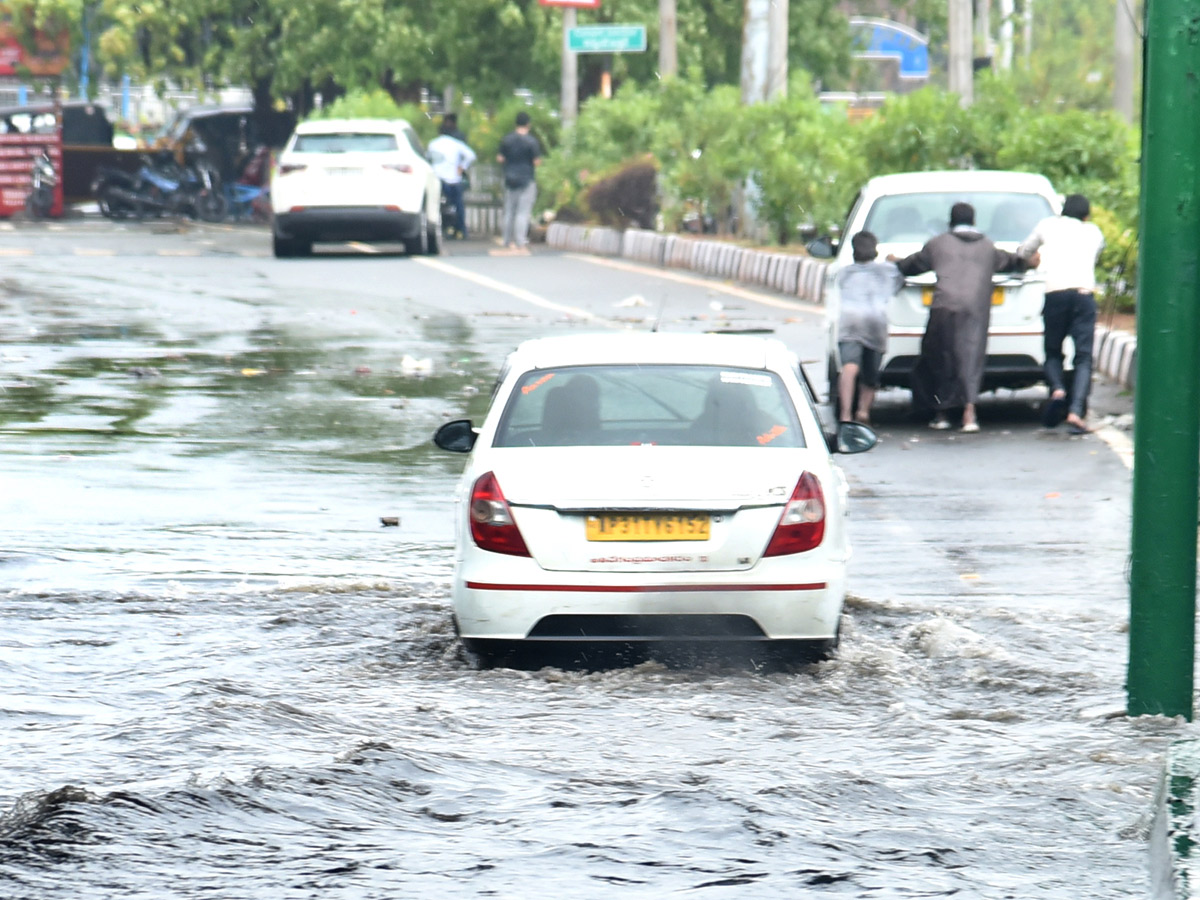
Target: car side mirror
{"points": [[852, 437], [457, 436], [821, 248]]}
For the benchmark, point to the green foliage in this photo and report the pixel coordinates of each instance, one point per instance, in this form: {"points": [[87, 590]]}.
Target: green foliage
{"points": [[804, 169], [925, 130], [1080, 152], [378, 104], [1118, 260]]}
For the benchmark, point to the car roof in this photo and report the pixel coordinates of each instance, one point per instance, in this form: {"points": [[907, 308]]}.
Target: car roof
{"points": [[652, 348], [958, 180], [333, 126]]}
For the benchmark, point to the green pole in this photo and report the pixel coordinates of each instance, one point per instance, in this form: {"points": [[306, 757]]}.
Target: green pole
{"points": [[1167, 395]]}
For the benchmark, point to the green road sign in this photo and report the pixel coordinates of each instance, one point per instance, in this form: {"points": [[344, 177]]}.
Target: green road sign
{"points": [[607, 39]]}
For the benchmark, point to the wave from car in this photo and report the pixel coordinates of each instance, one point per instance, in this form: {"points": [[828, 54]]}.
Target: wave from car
{"points": [[365, 180], [648, 491]]}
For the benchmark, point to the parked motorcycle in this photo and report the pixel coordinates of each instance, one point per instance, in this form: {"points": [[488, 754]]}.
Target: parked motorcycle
{"points": [[116, 193], [43, 180], [161, 187]]}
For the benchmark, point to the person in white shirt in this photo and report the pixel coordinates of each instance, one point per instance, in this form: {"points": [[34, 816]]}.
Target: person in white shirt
{"points": [[1069, 246], [451, 157]]}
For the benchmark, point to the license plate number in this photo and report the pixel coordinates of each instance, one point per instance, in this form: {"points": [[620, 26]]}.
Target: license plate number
{"points": [[997, 296], [635, 527]]}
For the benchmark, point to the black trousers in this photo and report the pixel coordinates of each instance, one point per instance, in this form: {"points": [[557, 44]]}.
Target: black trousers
{"points": [[1070, 313]]}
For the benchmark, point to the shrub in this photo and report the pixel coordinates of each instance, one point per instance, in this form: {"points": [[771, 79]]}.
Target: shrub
{"points": [[378, 104], [626, 197]]}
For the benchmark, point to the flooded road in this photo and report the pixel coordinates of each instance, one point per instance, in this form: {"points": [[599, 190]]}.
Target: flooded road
{"points": [[222, 676]]}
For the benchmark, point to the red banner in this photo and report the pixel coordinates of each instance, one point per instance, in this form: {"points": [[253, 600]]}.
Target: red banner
{"points": [[16, 169]]}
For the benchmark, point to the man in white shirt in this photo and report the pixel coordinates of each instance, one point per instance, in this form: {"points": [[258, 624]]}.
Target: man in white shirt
{"points": [[451, 158], [1069, 246]]}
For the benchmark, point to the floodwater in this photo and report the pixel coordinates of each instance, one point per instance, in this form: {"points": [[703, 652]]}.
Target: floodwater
{"points": [[221, 676]]}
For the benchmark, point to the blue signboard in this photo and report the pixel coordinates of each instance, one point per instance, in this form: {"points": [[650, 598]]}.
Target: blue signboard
{"points": [[883, 39]]}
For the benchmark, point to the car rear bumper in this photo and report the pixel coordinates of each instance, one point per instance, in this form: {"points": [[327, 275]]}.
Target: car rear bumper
{"points": [[746, 606], [1012, 361], [348, 223]]}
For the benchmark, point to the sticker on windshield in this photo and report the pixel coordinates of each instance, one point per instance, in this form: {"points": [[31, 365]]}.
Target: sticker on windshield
{"points": [[770, 435], [530, 388], [746, 378]]}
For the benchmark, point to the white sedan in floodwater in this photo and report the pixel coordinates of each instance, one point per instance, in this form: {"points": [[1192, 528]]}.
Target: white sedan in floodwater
{"points": [[651, 489]]}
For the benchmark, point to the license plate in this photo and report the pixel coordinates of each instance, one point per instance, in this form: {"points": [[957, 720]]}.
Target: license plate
{"points": [[997, 296], [636, 527]]}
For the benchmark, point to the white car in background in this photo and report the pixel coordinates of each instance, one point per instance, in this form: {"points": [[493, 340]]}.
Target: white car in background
{"points": [[649, 490], [904, 211], [355, 180]]}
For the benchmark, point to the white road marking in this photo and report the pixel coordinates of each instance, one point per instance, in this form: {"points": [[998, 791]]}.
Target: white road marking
{"points": [[732, 290], [495, 285], [1120, 444]]}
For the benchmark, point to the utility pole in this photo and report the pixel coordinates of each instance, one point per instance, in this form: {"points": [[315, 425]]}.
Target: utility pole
{"points": [[755, 40], [1166, 456], [1007, 11], [983, 28], [1028, 31], [668, 62], [777, 49], [961, 72], [1123, 41], [569, 102]]}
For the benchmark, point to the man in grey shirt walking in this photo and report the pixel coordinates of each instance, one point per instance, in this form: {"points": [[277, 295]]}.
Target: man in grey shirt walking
{"points": [[520, 155]]}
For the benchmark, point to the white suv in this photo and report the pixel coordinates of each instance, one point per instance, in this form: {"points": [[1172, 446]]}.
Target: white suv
{"points": [[904, 211], [355, 180]]}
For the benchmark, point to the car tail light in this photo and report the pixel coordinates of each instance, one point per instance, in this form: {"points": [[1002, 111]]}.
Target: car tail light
{"points": [[802, 525], [399, 167], [285, 168], [492, 525]]}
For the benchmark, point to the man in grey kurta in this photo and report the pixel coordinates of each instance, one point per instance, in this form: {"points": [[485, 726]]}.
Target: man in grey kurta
{"points": [[949, 372]]}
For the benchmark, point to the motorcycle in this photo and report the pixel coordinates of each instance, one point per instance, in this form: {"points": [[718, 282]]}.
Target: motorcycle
{"points": [[43, 180], [116, 193], [161, 187]]}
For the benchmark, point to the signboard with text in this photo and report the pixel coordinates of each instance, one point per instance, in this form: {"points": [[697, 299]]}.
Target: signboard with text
{"points": [[607, 39], [16, 166]]}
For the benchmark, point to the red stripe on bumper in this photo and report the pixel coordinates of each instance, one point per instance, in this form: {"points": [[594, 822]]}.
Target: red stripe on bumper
{"points": [[642, 588]]}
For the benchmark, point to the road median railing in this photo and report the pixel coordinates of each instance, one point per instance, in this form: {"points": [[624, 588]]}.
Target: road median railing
{"points": [[788, 273]]}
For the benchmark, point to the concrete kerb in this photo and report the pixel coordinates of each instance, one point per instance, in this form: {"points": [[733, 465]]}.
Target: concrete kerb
{"points": [[1172, 865]]}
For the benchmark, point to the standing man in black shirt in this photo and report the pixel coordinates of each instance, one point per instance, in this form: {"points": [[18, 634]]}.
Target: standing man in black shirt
{"points": [[520, 154]]}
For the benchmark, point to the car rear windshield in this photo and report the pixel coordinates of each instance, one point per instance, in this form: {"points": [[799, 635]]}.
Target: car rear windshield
{"points": [[610, 406], [344, 142], [915, 218]]}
